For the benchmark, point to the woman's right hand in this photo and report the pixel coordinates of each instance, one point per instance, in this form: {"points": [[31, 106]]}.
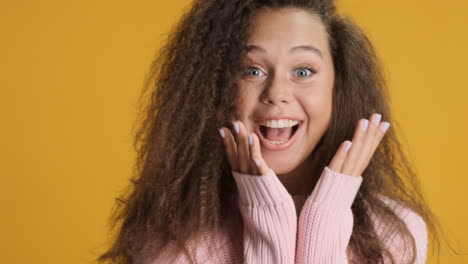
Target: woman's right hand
{"points": [[243, 157]]}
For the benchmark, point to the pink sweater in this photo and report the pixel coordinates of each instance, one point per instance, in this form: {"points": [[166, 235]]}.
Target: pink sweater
{"points": [[280, 228]]}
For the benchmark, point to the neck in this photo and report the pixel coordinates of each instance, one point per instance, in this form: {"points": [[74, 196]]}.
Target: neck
{"points": [[301, 180]]}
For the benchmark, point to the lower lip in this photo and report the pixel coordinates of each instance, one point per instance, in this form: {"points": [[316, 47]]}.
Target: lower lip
{"points": [[277, 147]]}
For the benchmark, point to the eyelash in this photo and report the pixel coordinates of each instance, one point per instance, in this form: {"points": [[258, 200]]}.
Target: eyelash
{"points": [[313, 71]]}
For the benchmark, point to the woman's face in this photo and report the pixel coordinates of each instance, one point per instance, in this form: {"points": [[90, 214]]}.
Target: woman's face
{"points": [[289, 76]]}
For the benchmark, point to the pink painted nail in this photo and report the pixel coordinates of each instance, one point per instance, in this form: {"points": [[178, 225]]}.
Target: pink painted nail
{"points": [[236, 126], [365, 124], [348, 145], [377, 119], [221, 133], [385, 126], [257, 162]]}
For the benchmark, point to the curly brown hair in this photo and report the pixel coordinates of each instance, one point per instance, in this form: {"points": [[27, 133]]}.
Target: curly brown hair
{"points": [[182, 182]]}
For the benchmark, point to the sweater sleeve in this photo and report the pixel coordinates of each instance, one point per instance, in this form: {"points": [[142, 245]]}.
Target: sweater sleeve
{"points": [[326, 219], [418, 230], [270, 219]]}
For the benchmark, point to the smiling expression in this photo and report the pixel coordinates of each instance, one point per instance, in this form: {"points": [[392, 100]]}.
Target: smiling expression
{"points": [[289, 74]]}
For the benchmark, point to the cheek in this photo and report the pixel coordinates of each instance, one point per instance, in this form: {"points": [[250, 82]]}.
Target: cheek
{"points": [[318, 99], [246, 101], [318, 107], [316, 111]]}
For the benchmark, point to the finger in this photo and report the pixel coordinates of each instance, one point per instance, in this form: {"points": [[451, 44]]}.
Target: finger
{"points": [[261, 168], [381, 131], [255, 163], [368, 149], [383, 127], [354, 152], [230, 147], [337, 162], [243, 155]]}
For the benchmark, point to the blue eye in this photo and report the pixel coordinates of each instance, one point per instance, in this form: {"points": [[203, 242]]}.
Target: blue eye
{"points": [[256, 69], [303, 72]]}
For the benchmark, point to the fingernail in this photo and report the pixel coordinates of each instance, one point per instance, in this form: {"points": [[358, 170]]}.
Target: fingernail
{"points": [[348, 146], [250, 139], [385, 126], [221, 133], [365, 124], [236, 126], [377, 119], [257, 162]]}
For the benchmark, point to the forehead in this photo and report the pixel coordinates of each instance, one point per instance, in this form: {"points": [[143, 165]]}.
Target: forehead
{"points": [[283, 28]]}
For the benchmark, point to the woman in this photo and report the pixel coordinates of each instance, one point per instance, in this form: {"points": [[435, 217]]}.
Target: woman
{"points": [[325, 185]]}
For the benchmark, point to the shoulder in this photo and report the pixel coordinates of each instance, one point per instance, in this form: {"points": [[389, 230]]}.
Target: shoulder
{"points": [[413, 220], [395, 242]]}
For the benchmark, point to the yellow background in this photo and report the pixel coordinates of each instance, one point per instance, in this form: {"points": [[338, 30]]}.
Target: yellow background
{"points": [[70, 74]]}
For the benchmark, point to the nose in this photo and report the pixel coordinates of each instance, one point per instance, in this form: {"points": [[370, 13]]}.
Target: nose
{"points": [[277, 91]]}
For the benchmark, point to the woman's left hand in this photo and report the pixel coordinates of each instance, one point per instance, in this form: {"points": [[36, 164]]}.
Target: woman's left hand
{"points": [[364, 143]]}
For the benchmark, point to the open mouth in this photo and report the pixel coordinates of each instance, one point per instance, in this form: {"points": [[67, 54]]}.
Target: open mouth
{"points": [[278, 136]]}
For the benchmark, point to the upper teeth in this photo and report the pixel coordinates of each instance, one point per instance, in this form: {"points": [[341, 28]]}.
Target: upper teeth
{"points": [[280, 123]]}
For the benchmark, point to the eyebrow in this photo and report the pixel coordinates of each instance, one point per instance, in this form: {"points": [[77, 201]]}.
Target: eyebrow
{"points": [[311, 48]]}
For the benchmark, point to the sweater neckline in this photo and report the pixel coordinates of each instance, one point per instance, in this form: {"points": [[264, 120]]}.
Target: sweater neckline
{"points": [[299, 197]]}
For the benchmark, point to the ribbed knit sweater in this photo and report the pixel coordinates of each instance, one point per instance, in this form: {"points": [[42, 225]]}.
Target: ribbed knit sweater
{"points": [[279, 228]]}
